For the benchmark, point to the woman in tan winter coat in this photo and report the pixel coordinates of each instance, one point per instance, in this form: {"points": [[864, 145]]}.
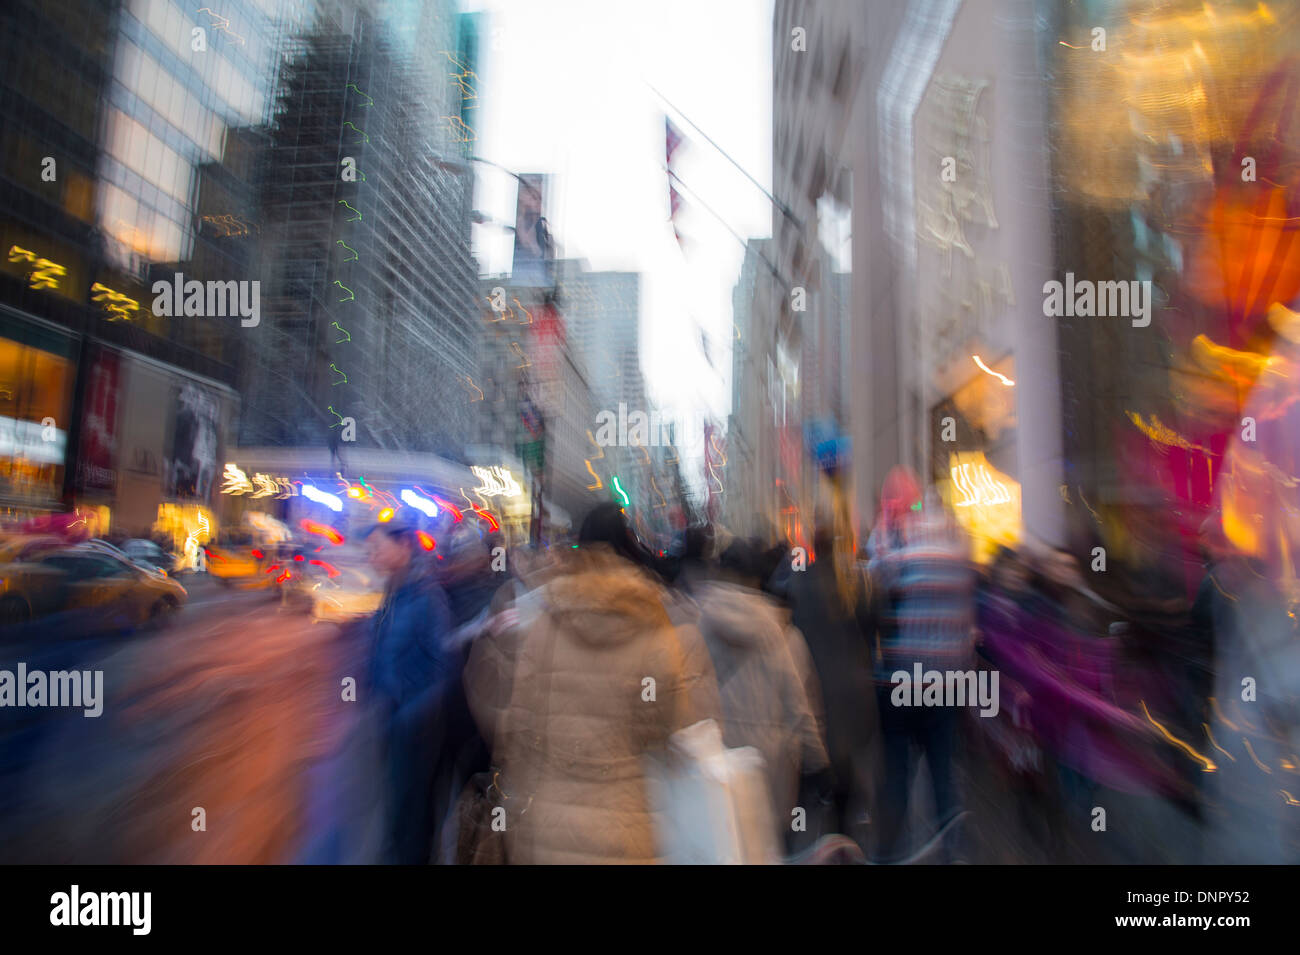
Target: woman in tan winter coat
{"points": [[585, 679]]}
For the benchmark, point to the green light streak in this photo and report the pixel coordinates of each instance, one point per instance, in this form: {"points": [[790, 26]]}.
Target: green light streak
{"points": [[619, 488]]}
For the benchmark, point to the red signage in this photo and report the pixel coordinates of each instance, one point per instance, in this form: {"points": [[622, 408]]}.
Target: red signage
{"points": [[98, 445]]}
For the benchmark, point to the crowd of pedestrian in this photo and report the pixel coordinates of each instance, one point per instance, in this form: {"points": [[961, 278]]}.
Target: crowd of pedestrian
{"points": [[518, 710]]}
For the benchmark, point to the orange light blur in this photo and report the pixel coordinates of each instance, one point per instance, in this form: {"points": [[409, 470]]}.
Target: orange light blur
{"points": [[323, 530]]}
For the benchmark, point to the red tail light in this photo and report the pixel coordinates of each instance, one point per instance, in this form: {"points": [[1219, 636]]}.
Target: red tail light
{"points": [[330, 569]]}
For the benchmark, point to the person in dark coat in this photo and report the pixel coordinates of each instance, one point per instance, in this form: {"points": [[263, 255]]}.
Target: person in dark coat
{"points": [[410, 673], [831, 609]]}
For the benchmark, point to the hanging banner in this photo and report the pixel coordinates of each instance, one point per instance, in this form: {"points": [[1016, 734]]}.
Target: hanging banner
{"points": [[96, 460]]}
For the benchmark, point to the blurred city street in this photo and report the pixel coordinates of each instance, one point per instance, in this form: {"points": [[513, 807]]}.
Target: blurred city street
{"points": [[227, 709], [509, 432]]}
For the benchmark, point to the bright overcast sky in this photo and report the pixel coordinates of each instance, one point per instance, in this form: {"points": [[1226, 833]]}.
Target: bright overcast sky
{"points": [[564, 89]]}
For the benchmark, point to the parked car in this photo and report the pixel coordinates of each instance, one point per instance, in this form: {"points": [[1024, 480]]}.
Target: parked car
{"points": [[34, 545], [147, 552], [27, 589], [20, 547], [89, 577]]}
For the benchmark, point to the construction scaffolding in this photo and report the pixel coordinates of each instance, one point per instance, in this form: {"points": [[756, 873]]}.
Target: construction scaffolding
{"points": [[369, 286]]}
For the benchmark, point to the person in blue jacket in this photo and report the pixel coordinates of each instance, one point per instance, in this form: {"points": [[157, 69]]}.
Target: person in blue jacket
{"points": [[410, 672]]}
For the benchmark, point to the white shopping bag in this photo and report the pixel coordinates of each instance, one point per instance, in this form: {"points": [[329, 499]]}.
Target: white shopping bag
{"points": [[711, 803]]}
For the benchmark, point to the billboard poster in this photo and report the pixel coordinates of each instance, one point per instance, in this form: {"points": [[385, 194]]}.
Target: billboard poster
{"points": [[192, 467], [96, 460], [534, 249]]}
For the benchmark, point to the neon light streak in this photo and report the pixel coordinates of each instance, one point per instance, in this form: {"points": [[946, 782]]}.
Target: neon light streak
{"points": [[456, 515], [1250, 749], [236, 481], [115, 303], [421, 504], [618, 489], [385, 498], [459, 128], [496, 481], [355, 255], [192, 538], [330, 569], [353, 86], [486, 515], [221, 23], [1208, 767], [336, 371], [322, 497], [1206, 726], [322, 530], [352, 296], [344, 202], [364, 138], [1159, 433], [987, 370], [45, 275]]}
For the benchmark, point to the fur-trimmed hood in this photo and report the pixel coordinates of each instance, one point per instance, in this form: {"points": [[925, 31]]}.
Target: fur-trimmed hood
{"points": [[605, 600]]}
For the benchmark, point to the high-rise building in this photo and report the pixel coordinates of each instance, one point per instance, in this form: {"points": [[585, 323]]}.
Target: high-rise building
{"points": [[369, 284], [602, 315], [530, 397], [752, 492], [123, 130]]}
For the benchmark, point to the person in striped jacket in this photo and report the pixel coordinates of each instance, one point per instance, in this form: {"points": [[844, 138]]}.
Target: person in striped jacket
{"points": [[921, 571]]}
